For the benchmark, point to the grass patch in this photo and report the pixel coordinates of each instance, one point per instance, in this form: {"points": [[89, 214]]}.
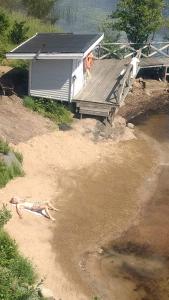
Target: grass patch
{"points": [[4, 147], [19, 156], [51, 109], [35, 25], [14, 169], [17, 275], [9, 172]]}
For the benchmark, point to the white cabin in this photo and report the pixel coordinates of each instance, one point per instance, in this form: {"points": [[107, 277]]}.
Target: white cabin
{"points": [[56, 63]]}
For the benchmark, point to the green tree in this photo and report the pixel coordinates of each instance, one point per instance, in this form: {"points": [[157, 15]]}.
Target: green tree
{"points": [[4, 22], [19, 32], [138, 18], [10, 4], [39, 8]]}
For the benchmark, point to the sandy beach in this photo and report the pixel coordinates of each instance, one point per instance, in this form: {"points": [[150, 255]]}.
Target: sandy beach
{"points": [[61, 167], [98, 186]]}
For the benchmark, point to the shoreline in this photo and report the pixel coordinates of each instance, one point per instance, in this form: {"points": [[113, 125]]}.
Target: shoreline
{"points": [[90, 236], [58, 166], [47, 159]]}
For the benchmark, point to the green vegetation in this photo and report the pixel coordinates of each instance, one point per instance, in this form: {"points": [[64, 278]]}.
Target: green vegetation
{"points": [[5, 216], [138, 18], [4, 147], [42, 9], [49, 108], [15, 28], [39, 8], [19, 156], [19, 32], [4, 22], [9, 171], [17, 276]]}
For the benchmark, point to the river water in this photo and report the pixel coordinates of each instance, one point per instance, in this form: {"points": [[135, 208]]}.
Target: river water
{"points": [[83, 15], [113, 240]]}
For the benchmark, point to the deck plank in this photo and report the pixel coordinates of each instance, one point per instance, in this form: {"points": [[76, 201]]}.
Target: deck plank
{"points": [[104, 77]]}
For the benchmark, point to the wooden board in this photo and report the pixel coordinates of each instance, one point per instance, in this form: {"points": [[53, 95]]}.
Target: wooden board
{"points": [[104, 77]]}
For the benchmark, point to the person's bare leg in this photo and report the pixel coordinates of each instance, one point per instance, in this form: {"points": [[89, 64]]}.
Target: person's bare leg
{"points": [[48, 213], [50, 206]]}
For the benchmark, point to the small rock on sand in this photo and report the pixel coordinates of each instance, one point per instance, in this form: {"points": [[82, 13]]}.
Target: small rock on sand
{"points": [[46, 293], [130, 125]]}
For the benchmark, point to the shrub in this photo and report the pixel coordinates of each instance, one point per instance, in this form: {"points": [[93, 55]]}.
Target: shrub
{"points": [[17, 276], [5, 216], [19, 156], [4, 22], [38, 8], [33, 25], [19, 32], [9, 172], [16, 272], [49, 108], [4, 147]]}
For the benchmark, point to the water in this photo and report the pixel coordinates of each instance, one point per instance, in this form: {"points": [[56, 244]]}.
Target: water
{"points": [[138, 261], [83, 15], [87, 16], [120, 205]]}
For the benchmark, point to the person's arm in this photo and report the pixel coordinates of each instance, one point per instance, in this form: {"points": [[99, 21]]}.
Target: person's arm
{"points": [[18, 210]]}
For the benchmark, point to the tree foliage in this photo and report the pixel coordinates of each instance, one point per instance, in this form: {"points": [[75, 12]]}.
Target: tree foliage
{"points": [[4, 22], [39, 8], [19, 32], [10, 4], [139, 18]]}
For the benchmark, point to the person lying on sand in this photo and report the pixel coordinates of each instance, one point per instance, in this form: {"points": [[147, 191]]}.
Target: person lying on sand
{"points": [[35, 207]]}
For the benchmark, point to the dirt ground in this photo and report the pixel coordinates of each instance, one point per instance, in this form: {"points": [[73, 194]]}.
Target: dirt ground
{"points": [[48, 155], [19, 124], [154, 97]]}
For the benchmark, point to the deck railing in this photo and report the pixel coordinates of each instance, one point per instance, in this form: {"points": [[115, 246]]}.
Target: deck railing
{"points": [[127, 50], [125, 81]]}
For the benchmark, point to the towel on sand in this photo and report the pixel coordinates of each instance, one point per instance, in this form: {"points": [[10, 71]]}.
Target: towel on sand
{"points": [[40, 214]]}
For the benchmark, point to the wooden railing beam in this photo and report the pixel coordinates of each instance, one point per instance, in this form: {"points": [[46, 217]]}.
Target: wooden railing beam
{"points": [[159, 50]]}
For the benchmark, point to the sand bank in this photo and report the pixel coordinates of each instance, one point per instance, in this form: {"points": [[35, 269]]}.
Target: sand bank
{"points": [[47, 159]]}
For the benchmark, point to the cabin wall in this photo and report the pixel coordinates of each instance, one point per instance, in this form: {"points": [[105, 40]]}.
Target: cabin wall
{"points": [[51, 79], [77, 77]]}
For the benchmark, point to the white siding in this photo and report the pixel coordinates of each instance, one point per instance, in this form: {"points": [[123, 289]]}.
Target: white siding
{"points": [[51, 79], [77, 77]]}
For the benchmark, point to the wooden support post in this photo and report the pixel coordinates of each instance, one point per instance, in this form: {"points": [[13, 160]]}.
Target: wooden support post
{"points": [[165, 73], [99, 51]]}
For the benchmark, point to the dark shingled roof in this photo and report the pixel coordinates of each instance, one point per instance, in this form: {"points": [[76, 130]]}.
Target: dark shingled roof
{"points": [[58, 43]]}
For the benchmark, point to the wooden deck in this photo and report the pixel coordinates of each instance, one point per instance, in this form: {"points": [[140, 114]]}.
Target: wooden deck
{"points": [[107, 89], [101, 87]]}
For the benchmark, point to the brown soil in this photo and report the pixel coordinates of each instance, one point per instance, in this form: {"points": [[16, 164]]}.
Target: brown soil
{"points": [[154, 97], [19, 124]]}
